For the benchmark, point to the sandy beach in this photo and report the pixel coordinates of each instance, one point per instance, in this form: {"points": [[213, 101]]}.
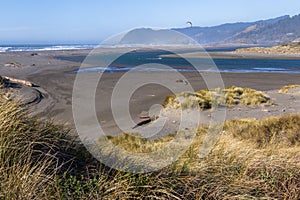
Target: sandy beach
{"points": [[55, 83]]}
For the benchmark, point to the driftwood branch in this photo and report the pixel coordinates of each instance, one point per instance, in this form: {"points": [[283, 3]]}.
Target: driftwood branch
{"points": [[19, 81]]}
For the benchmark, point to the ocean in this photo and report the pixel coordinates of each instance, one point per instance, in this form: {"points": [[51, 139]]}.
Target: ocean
{"points": [[43, 47]]}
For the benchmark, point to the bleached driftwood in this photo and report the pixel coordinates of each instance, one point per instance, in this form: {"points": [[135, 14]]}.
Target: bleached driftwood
{"points": [[19, 81]]}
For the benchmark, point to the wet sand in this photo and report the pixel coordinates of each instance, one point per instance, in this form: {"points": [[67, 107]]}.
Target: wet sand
{"points": [[56, 85]]}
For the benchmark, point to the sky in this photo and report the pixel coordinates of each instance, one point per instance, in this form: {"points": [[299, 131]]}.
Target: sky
{"points": [[91, 21]]}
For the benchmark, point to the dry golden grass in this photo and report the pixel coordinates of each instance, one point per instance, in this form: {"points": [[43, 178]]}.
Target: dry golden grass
{"points": [[12, 64], [207, 99], [32, 153], [137, 144], [293, 48], [254, 159], [287, 88]]}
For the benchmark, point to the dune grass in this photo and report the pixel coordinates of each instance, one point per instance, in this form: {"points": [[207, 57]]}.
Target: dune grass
{"points": [[287, 88], [2, 82], [137, 144], [32, 153], [207, 99], [252, 159], [292, 48], [12, 64]]}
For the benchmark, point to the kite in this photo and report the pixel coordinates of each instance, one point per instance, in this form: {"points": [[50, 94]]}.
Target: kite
{"points": [[190, 23]]}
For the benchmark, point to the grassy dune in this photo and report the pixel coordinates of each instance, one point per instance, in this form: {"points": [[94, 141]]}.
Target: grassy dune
{"points": [[252, 159], [207, 99]]}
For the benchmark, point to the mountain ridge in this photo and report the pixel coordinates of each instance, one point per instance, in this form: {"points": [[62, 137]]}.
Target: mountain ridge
{"points": [[274, 31], [239, 32]]}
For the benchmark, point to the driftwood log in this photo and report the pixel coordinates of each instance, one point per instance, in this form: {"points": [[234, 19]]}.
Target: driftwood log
{"points": [[19, 81]]}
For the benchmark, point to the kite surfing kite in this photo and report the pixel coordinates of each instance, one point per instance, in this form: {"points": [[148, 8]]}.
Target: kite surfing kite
{"points": [[190, 23]]}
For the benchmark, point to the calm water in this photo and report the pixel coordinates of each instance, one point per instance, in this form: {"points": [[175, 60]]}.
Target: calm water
{"points": [[130, 60]]}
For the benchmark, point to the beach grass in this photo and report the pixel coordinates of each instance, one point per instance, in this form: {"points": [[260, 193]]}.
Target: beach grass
{"points": [[32, 153], [12, 64], [207, 99], [280, 49], [2, 82], [287, 88], [137, 144], [253, 159]]}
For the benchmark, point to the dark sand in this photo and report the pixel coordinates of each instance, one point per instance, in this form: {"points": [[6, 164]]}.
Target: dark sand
{"points": [[56, 85]]}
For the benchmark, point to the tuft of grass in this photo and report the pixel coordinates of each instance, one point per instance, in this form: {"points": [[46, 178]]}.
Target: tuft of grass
{"points": [[207, 99], [3, 82], [287, 88], [169, 100], [12, 64], [270, 132], [137, 144], [246, 96]]}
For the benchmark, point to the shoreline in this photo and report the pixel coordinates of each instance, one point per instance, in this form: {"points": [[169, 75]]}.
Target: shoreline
{"points": [[236, 55]]}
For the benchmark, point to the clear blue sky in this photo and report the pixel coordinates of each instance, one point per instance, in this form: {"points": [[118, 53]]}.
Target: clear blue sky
{"points": [[90, 21]]}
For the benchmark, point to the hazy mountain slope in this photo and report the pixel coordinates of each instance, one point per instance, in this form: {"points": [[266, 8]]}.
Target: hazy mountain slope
{"points": [[147, 36], [275, 31], [283, 31], [226, 33], [213, 35]]}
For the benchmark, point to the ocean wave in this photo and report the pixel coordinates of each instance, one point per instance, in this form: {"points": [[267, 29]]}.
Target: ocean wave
{"points": [[269, 69], [16, 48], [4, 49]]}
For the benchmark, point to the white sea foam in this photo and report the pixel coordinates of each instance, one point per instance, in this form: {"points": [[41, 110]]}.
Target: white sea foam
{"points": [[3, 49], [16, 48], [269, 69]]}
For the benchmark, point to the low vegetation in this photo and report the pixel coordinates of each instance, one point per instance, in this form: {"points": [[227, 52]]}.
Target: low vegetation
{"points": [[137, 144], [2, 82], [207, 99], [252, 159], [287, 88], [293, 48], [32, 153], [12, 64]]}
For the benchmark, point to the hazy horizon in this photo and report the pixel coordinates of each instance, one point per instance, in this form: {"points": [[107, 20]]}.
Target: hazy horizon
{"points": [[76, 22]]}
